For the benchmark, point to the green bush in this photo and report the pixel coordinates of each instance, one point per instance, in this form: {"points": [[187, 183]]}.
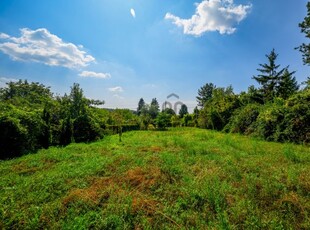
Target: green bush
{"points": [[13, 138], [218, 110], [296, 127], [163, 120], [243, 118], [270, 120], [21, 132], [85, 129]]}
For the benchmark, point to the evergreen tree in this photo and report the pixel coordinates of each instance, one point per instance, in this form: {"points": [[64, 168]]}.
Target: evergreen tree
{"points": [[205, 93], [140, 106], [287, 85], [77, 101], [154, 108], [269, 77], [183, 111], [305, 28], [196, 112], [307, 83]]}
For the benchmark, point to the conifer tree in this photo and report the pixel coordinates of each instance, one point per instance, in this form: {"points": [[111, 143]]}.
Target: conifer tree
{"points": [[205, 93], [305, 28], [140, 106], [287, 84], [269, 77]]}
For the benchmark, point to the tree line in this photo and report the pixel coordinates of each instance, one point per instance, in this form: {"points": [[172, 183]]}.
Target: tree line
{"points": [[277, 110], [32, 117]]}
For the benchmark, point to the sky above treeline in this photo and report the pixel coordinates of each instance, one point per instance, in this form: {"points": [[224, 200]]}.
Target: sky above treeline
{"points": [[122, 50]]}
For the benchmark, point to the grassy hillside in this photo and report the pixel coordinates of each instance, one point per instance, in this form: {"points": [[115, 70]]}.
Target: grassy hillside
{"points": [[177, 179]]}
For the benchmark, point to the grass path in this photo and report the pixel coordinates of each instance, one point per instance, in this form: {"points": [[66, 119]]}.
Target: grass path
{"points": [[178, 179]]}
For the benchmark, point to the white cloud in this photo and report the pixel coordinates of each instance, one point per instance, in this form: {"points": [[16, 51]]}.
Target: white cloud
{"points": [[43, 47], [116, 89], [212, 15], [133, 12], [4, 36], [95, 75]]}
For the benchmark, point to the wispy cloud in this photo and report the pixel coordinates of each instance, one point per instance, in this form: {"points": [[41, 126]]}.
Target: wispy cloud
{"points": [[91, 74], [212, 15], [116, 89], [133, 12], [43, 47]]}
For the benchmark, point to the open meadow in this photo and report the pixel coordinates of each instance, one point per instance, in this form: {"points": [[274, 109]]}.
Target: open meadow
{"points": [[183, 178]]}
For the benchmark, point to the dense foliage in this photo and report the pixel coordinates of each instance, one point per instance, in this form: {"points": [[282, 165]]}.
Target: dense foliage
{"points": [[276, 111], [32, 118]]}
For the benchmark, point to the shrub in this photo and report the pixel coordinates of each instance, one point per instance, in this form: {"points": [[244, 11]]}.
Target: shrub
{"points": [[163, 120], [269, 123], [243, 118], [85, 129], [21, 132], [13, 138], [297, 119]]}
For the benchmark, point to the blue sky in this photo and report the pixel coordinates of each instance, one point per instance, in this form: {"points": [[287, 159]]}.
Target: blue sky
{"points": [[120, 51]]}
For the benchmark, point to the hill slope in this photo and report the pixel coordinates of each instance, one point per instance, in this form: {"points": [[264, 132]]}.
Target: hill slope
{"points": [[181, 178]]}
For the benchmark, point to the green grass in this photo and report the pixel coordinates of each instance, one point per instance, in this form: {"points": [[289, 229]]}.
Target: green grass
{"points": [[177, 179]]}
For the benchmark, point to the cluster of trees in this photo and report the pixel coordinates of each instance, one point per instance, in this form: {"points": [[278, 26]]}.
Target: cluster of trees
{"points": [[151, 117], [277, 110], [31, 117]]}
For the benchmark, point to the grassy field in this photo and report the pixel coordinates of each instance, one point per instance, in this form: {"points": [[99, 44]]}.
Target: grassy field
{"points": [[176, 179]]}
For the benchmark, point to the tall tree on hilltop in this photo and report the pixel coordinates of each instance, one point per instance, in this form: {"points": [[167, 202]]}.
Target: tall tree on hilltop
{"points": [[269, 77], [287, 85], [205, 93], [140, 106], [305, 28]]}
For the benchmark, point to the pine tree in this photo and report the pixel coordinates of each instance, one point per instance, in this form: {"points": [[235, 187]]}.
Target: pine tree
{"points": [[269, 77], [77, 100], [307, 83], [205, 93], [183, 111], [140, 106], [196, 112], [287, 85], [305, 28], [154, 108]]}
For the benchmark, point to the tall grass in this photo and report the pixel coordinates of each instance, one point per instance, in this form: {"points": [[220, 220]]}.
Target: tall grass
{"points": [[183, 178]]}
